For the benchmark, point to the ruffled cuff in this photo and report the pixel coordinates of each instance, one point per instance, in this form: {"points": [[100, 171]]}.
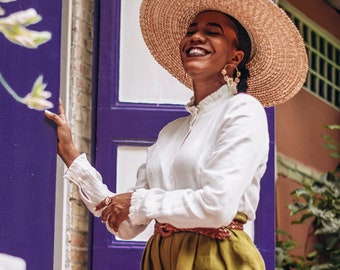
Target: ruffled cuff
{"points": [[89, 182], [137, 212]]}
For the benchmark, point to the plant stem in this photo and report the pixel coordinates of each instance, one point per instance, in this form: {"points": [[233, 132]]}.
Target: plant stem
{"points": [[10, 90]]}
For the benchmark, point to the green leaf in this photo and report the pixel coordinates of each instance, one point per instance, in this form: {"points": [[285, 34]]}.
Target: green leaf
{"points": [[304, 217], [333, 127], [331, 243], [335, 155], [296, 208], [282, 232], [302, 192], [314, 210], [312, 255], [336, 204], [324, 266], [328, 226], [330, 146]]}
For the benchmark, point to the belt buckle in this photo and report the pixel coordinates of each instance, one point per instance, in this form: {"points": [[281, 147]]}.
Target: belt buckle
{"points": [[164, 232]]}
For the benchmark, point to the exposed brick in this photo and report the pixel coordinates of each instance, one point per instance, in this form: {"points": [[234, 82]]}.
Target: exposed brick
{"points": [[87, 5], [80, 123], [79, 223], [85, 56], [79, 240], [83, 99], [79, 255], [83, 85], [84, 14], [293, 169], [83, 69], [78, 208], [78, 267]]}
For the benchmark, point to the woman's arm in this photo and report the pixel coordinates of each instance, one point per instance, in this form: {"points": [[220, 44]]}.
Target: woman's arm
{"points": [[91, 188], [66, 149]]}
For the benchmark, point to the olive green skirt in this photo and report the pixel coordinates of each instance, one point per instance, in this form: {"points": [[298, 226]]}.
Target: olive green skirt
{"points": [[192, 251]]}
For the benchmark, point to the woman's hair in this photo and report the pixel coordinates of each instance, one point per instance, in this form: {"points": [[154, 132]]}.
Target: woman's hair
{"points": [[242, 43]]}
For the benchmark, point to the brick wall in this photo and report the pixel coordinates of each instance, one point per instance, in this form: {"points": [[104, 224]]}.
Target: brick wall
{"points": [[294, 170], [80, 122]]}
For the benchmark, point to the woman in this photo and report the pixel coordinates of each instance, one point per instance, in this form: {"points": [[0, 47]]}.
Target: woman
{"points": [[201, 179]]}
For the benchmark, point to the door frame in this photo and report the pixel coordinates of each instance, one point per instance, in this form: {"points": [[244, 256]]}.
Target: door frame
{"points": [[264, 227]]}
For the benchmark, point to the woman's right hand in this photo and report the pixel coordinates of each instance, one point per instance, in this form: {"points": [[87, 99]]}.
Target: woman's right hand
{"points": [[66, 149]]}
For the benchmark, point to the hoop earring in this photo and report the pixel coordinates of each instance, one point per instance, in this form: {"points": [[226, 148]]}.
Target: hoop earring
{"points": [[231, 82]]}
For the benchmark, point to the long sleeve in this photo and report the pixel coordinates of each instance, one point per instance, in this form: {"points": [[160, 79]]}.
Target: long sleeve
{"points": [[91, 188], [92, 191]]}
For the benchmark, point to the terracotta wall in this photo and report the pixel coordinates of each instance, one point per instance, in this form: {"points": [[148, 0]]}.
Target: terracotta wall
{"points": [[299, 130], [300, 232], [321, 13]]}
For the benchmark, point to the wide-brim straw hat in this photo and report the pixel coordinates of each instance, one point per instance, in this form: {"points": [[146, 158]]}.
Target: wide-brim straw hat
{"points": [[277, 70]]}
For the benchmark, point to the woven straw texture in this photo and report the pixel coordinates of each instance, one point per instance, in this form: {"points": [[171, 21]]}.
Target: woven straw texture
{"points": [[279, 67]]}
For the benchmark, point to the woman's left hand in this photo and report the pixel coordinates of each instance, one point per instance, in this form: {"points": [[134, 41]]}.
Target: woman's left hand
{"points": [[117, 211]]}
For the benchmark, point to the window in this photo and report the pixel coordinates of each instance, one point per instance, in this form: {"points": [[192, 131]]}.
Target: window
{"points": [[324, 57]]}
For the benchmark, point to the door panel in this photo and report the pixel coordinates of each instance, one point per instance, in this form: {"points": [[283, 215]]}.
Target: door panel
{"points": [[28, 143], [128, 122]]}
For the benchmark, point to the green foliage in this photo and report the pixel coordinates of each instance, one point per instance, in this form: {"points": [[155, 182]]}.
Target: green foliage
{"points": [[319, 200], [284, 260]]}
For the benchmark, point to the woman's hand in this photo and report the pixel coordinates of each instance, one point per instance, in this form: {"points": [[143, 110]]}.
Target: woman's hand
{"points": [[117, 211], [66, 149]]}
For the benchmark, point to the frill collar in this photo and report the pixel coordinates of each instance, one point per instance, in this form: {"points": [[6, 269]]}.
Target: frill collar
{"points": [[211, 101]]}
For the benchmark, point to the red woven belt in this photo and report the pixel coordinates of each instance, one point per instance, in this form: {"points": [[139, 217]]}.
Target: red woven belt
{"points": [[165, 230]]}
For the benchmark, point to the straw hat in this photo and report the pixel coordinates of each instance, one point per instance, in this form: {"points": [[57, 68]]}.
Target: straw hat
{"points": [[279, 66]]}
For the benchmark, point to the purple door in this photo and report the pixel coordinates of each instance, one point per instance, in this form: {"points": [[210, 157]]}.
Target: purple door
{"points": [[132, 124], [28, 143]]}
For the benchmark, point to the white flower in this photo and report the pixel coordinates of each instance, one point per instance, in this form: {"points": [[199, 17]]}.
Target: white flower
{"points": [[37, 99], [14, 29]]}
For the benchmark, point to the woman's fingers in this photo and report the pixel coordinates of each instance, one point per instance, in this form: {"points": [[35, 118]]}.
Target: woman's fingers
{"points": [[58, 119], [106, 212], [61, 110], [54, 117], [104, 203]]}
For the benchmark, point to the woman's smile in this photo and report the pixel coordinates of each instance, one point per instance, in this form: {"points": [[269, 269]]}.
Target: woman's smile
{"points": [[196, 52]]}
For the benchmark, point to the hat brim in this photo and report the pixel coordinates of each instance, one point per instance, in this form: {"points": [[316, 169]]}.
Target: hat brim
{"points": [[279, 66]]}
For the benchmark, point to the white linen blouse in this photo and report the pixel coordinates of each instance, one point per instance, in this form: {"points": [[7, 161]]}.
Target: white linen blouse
{"points": [[201, 171]]}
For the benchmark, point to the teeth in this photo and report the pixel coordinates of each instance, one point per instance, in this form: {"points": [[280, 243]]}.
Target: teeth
{"points": [[196, 52]]}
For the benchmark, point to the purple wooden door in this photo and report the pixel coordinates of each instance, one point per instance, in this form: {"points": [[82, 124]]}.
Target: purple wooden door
{"points": [[28, 143], [135, 124]]}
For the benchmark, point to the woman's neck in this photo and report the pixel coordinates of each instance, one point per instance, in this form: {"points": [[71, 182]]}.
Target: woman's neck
{"points": [[204, 89]]}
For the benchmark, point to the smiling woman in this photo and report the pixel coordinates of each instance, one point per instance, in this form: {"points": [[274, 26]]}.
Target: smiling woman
{"points": [[200, 182], [212, 40]]}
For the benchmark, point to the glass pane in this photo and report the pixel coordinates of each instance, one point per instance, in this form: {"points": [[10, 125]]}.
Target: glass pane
{"points": [[129, 158], [142, 79]]}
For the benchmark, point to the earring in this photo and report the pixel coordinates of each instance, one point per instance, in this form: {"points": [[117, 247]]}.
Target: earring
{"points": [[231, 82]]}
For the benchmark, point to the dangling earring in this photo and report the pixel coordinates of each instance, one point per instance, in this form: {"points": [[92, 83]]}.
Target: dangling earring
{"points": [[231, 82]]}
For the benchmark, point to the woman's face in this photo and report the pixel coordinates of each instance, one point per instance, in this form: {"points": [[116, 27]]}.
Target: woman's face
{"points": [[209, 45]]}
